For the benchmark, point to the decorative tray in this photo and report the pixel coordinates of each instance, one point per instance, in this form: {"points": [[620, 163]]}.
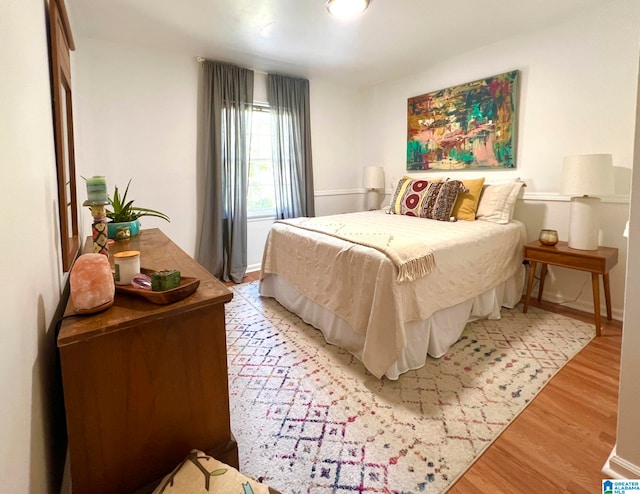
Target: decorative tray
{"points": [[187, 286]]}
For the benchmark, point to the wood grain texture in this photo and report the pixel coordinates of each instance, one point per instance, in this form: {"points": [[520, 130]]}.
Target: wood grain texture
{"points": [[144, 384], [561, 441], [597, 262], [157, 252], [187, 286]]}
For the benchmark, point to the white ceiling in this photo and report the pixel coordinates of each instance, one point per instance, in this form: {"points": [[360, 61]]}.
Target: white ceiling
{"points": [[393, 38]]}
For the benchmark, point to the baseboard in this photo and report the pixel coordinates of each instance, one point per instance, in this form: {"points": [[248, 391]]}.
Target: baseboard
{"points": [[254, 267], [584, 306], [619, 468]]}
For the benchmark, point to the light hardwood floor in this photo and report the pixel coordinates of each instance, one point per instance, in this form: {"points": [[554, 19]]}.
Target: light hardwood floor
{"points": [[560, 442]]}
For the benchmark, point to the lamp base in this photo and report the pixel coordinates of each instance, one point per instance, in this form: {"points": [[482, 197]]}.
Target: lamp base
{"points": [[373, 199], [583, 227]]}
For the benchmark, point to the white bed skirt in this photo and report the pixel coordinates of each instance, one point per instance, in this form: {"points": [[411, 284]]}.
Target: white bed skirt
{"points": [[432, 336]]}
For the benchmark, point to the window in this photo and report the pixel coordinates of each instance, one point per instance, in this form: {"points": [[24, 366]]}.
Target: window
{"points": [[261, 199]]}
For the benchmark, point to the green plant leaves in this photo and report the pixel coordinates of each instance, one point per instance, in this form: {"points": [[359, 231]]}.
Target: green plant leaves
{"points": [[122, 211]]}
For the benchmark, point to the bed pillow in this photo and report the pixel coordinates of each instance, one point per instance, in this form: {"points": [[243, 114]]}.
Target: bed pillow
{"points": [[497, 202], [467, 203], [440, 199], [409, 196]]}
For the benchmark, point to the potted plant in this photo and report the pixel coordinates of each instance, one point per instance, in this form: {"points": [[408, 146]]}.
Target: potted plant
{"points": [[124, 215]]}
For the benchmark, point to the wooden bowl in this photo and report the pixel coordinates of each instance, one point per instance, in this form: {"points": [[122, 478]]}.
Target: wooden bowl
{"points": [[187, 286]]}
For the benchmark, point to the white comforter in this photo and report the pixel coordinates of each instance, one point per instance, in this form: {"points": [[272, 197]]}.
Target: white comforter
{"points": [[359, 285]]}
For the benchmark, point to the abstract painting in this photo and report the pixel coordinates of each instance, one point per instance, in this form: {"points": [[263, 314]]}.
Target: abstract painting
{"points": [[470, 126]]}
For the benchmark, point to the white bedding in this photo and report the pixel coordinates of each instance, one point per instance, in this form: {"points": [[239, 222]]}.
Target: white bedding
{"points": [[350, 292]]}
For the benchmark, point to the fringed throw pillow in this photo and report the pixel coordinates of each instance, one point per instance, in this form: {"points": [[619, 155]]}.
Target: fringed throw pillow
{"points": [[440, 198]]}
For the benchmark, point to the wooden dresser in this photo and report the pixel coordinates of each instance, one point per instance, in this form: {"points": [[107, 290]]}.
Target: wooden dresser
{"points": [[145, 383]]}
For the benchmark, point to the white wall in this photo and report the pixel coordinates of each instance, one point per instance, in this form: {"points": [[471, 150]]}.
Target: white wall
{"points": [[30, 260], [335, 141], [624, 461], [137, 112], [577, 95], [137, 118]]}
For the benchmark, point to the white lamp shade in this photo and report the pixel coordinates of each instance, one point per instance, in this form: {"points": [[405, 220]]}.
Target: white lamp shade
{"points": [[587, 175], [373, 177]]}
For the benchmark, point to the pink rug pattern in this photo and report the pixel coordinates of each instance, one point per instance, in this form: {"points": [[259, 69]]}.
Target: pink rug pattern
{"points": [[310, 419]]}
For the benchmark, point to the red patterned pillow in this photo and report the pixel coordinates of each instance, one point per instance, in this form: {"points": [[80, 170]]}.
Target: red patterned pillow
{"points": [[440, 198], [409, 196]]}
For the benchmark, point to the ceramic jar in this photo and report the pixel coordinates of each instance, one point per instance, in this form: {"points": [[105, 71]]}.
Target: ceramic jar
{"points": [[127, 265], [123, 230]]}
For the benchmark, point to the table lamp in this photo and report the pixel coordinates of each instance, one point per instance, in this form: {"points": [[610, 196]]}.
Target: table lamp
{"points": [[585, 177], [373, 181]]}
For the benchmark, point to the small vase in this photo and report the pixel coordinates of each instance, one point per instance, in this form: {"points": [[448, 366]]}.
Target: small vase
{"points": [[548, 237], [123, 230]]}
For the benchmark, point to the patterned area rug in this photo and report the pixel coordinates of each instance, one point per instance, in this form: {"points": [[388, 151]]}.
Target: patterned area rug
{"points": [[310, 419]]}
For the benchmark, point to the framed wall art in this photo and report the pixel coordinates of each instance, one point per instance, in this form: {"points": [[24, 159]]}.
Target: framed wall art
{"points": [[465, 127]]}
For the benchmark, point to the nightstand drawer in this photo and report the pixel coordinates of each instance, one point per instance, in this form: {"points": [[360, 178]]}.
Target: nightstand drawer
{"points": [[557, 258], [600, 260]]}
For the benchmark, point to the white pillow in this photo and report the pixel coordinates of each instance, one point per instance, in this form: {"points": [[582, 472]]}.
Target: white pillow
{"points": [[497, 202]]}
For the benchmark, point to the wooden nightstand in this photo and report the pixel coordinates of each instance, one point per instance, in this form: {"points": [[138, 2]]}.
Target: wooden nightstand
{"points": [[596, 262]]}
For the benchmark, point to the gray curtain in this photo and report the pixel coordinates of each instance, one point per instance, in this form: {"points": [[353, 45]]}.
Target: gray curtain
{"points": [[289, 107], [228, 100]]}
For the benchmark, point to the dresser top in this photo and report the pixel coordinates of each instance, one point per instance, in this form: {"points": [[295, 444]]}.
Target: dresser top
{"points": [[157, 252]]}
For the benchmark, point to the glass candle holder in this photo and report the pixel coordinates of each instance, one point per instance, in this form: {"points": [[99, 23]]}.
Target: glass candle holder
{"points": [[548, 237], [127, 265]]}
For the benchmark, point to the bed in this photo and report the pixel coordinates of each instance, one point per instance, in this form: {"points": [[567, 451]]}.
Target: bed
{"points": [[342, 281]]}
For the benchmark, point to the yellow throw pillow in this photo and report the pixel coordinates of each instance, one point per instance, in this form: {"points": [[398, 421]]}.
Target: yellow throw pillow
{"points": [[467, 202]]}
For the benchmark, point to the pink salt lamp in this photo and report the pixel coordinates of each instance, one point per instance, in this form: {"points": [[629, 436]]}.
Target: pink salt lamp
{"points": [[92, 285]]}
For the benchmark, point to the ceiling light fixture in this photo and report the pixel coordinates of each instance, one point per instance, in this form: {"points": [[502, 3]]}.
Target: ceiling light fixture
{"points": [[346, 8]]}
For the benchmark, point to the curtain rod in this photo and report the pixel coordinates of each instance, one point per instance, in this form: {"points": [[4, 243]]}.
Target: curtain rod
{"points": [[202, 59]]}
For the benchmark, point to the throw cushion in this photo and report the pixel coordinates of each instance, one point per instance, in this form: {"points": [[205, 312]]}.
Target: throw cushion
{"points": [[200, 473], [408, 196], [497, 202], [440, 199], [467, 203]]}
